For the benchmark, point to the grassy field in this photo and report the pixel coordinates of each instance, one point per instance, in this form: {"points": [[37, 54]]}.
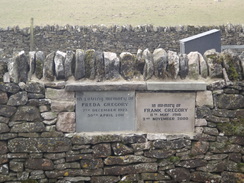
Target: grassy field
{"points": [[121, 12]]}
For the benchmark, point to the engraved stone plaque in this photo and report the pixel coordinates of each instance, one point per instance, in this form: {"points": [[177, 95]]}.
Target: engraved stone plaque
{"points": [[165, 112], [105, 111]]}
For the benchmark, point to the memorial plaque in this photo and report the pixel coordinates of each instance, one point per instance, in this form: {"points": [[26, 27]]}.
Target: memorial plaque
{"points": [[165, 112], [105, 111]]}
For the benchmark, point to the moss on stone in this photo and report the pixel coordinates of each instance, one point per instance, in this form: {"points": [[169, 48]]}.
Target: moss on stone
{"points": [[234, 128], [39, 69], [174, 159], [240, 167]]}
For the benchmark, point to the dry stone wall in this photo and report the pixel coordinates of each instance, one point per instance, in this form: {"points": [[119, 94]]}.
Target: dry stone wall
{"points": [[114, 38], [38, 143]]}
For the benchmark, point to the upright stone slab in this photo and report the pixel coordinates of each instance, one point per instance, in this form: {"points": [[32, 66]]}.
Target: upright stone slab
{"points": [[79, 64], [105, 111], [40, 57], [165, 112], [48, 70], [59, 64], [201, 42]]}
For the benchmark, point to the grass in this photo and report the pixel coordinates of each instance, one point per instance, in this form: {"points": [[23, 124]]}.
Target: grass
{"points": [[121, 12]]}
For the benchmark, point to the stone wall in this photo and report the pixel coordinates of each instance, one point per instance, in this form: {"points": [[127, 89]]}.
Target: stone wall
{"points": [[114, 38], [38, 143]]}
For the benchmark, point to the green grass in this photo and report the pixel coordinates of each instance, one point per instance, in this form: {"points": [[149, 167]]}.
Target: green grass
{"points": [[121, 12]]}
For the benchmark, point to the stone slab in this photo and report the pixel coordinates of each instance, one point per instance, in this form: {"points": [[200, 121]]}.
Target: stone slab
{"points": [[165, 112], [118, 86], [177, 86], [105, 111], [201, 42]]}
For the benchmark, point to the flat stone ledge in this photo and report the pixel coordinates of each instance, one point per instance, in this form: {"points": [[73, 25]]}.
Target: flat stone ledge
{"points": [[176, 86], [118, 86], [137, 86]]}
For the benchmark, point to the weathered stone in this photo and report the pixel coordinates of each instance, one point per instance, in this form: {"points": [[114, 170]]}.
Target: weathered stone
{"points": [[179, 174], [237, 140], [140, 63], [211, 131], [205, 137], [52, 134], [224, 147], [199, 148], [59, 65], [173, 64], [201, 122], [16, 166], [90, 71], [160, 154], [18, 155], [54, 156], [7, 136], [10, 88], [99, 62], [4, 170], [111, 65], [13, 70], [66, 122], [29, 127], [3, 147], [192, 163], [104, 179], [129, 159], [234, 128], [127, 67], [215, 119], [230, 101], [193, 65], [49, 115], [141, 146], [27, 113], [214, 63], [77, 179], [174, 144], [232, 177], [18, 99], [48, 67], [183, 66], [95, 139], [131, 169], [236, 157], [4, 119], [121, 149], [56, 85], [3, 98], [134, 138], [35, 87], [3, 159], [4, 128], [3, 70], [204, 177], [37, 174], [61, 95], [148, 70], [5, 178], [101, 150], [79, 64], [203, 67], [203, 112], [214, 166], [40, 57], [160, 59], [75, 157], [154, 176], [204, 98], [39, 164], [61, 106], [50, 122], [216, 156], [39, 145], [225, 113], [68, 62], [35, 96], [73, 173], [91, 163], [32, 63]]}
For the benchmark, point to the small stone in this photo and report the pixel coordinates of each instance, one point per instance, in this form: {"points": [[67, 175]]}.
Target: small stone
{"points": [[18, 99], [61, 106], [99, 62], [159, 154], [32, 63], [66, 122], [59, 65], [129, 159], [39, 164], [101, 150], [173, 64], [4, 170], [4, 128], [199, 148], [103, 179], [211, 131], [200, 122], [16, 166], [183, 72], [192, 163], [28, 127], [3, 97], [3, 146], [27, 113], [49, 115], [160, 58], [35, 87], [121, 149], [230, 101], [59, 94], [90, 64], [91, 163], [193, 65], [179, 174]]}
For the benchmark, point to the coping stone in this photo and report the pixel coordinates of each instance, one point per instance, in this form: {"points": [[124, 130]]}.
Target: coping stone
{"points": [[118, 86], [179, 86]]}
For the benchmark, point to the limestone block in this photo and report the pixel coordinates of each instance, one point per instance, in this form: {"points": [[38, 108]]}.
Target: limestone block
{"points": [[201, 122], [40, 57], [112, 63], [28, 127], [193, 65], [20, 98], [99, 62], [61, 106], [148, 70], [49, 115], [127, 67], [59, 94], [204, 98], [173, 64], [68, 63], [32, 63], [27, 113], [59, 65], [90, 64], [79, 64], [66, 122], [48, 67], [160, 59]]}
